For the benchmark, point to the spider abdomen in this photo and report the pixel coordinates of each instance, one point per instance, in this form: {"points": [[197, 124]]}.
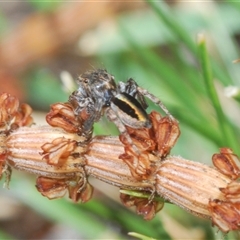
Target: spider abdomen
{"points": [[130, 111]]}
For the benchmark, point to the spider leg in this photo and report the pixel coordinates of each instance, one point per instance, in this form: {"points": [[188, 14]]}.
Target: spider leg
{"points": [[82, 180], [155, 100], [8, 172], [122, 129], [87, 110]]}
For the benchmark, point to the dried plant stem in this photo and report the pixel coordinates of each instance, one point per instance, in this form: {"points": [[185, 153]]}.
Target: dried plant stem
{"points": [[186, 183]]}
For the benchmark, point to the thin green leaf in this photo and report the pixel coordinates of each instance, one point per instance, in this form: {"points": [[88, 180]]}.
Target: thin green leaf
{"points": [[60, 210], [228, 134], [168, 17], [5, 236], [45, 6], [200, 126], [162, 68], [176, 87], [163, 12], [89, 219]]}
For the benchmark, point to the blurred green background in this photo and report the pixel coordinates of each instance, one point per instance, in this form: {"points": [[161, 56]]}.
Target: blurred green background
{"points": [[180, 51]]}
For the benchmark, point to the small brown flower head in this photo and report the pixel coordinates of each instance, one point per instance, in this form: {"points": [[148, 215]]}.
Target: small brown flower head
{"points": [[53, 188], [53, 155], [200, 189], [226, 212], [165, 132], [9, 106], [23, 116], [227, 163], [62, 115], [57, 151], [154, 144], [144, 207], [3, 157], [225, 215], [13, 114], [80, 191], [62, 151]]}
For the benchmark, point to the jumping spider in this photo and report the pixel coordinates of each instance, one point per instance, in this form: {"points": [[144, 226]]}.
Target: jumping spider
{"points": [[123, 103]]}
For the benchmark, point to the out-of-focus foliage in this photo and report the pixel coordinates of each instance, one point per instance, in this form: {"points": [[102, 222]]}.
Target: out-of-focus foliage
{"points": [[44, 5], [157, 45]]}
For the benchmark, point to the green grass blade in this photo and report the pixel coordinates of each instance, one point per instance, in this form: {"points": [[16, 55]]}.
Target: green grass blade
{"points": [[161, 9], [228, 135], [235, 4], [91, 219], [176, 87], [200, 127], [59, 210], [5, 236], [161, 68], [168, 17]]}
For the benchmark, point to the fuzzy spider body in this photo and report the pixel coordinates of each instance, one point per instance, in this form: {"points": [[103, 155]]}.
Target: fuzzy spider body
{"points": [[130, 111], [123, 103], [98, 94]]}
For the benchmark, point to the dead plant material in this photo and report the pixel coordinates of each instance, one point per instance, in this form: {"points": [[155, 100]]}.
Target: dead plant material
{"points": [[63, 165]]}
